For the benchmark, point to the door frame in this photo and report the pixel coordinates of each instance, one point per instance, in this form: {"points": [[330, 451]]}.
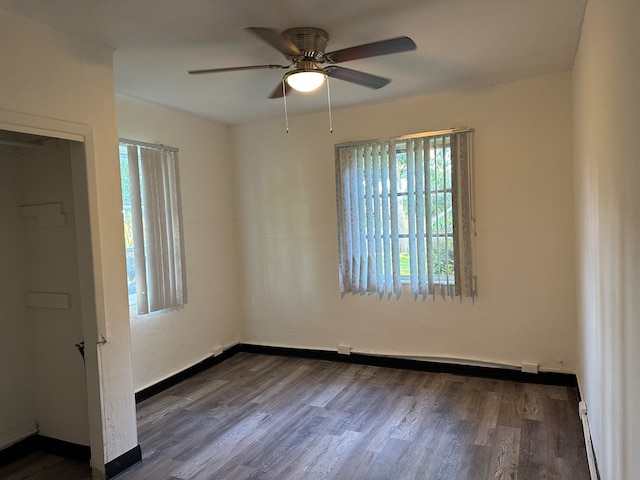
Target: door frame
{"points": [[94, 326]]}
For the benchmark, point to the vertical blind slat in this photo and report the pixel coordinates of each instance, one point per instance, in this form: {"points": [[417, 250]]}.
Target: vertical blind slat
{"points": [[421, 216], [386, 218], [393, 207], [147, 181], [370, 222], [142, 299], [455, 206], [362, 219], [462, 162], [429, 213], [377, 213], [342, 177], [411, 215], [355, 222]]}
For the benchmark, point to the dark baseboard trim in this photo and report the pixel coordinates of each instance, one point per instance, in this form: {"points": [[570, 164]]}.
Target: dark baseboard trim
{"points": [[184, 374], [545, 378], [124, 461], [18, 450], [40, 443], [61, 448]]}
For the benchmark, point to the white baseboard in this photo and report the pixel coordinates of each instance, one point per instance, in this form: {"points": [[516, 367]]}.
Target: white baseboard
{"points": [[593, 470]]}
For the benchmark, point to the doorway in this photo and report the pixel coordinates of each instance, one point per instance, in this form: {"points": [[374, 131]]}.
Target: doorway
{"points": [[43, 276]]}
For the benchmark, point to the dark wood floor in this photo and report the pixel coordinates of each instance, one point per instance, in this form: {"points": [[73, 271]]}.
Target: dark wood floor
{"points": [[269, 417]]}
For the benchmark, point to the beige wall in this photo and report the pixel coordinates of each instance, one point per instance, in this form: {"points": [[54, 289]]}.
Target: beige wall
{"points": [[168, 342], [57, 83], [17, 403], [607, 170], [526, 307], [52, 266]]}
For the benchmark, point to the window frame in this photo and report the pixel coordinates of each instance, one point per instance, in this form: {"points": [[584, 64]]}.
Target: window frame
{"points": [[153, 197], [427, 165]]}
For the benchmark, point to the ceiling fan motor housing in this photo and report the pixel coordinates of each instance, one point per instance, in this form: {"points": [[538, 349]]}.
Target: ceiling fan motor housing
{"points": [[311, 41]]}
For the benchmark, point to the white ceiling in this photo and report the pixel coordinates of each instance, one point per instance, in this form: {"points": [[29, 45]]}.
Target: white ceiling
{"points": [[461, 44]]}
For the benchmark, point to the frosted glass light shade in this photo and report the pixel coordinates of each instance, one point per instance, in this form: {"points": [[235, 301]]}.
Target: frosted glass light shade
{"points": [[305, 81]]}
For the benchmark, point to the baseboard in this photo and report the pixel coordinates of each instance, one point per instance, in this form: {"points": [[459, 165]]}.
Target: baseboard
{"points": [[124, 461], [184, 374], [41, 443], [62, 448], [544, 378], [591, 454], [18, 450]]}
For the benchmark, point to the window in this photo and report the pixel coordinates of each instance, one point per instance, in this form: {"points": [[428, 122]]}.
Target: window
{"points": [[404, 215], [152, 221]]}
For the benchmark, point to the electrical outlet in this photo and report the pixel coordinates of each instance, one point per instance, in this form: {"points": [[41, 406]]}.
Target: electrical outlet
{"points": [[344, 349], [529, 367]]}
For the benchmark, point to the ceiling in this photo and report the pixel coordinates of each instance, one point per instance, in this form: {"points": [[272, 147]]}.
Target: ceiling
{"points": [[461, 44]]}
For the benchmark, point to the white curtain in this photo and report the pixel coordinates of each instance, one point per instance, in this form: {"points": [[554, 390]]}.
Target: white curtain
{"points": [[423, 217], [155, 209]]}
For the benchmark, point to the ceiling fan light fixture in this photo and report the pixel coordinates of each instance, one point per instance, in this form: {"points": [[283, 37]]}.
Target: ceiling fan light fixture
{"points": [[306, 80]]}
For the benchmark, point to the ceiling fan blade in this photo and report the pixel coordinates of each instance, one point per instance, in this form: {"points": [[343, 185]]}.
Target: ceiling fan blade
{"points": [[234, 69], [277, 92], [354, 76], [383, 47], [273, 38]]}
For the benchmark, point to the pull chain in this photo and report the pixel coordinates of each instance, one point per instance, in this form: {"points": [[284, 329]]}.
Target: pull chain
{"points": [[329, 102], [286, 113], [284, 96]]}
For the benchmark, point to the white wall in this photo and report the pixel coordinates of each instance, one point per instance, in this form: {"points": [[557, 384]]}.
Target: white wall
{"points": [[58, 82], [169, 342], [52, 266], [17, 402], [526, 307], [607, 170]]}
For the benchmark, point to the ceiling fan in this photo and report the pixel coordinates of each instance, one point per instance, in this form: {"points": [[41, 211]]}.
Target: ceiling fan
{"points": [[304, 47]]}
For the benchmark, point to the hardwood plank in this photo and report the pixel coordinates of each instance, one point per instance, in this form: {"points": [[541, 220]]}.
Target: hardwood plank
{"points": [[389, 462], [410, 424], [289, 437], [448, 458], [328, 393], [512, 403], [356, 465], [533, 409], [147, 469], [488, 418], [504, 454], [322, 459], [535, 461], [386, 424]]}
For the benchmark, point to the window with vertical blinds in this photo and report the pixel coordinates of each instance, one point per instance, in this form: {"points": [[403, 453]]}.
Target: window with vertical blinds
{"points": [[153, 230], [405, 215]]}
